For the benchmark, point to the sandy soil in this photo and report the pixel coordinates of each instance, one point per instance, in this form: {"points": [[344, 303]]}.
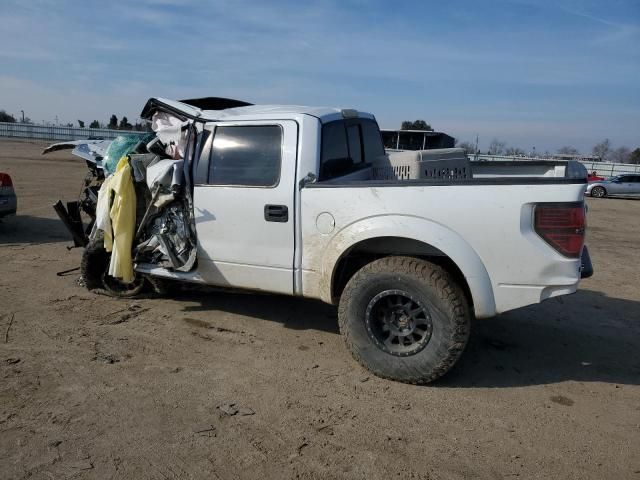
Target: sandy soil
{"points": [[211, 384]]}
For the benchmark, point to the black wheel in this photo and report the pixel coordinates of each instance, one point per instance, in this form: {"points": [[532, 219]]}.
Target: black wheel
{"points": [[404, 319], [95, 266], [598, 192]]}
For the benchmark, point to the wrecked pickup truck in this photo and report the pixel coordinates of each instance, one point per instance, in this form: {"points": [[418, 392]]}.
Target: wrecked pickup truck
{"points": [[304, 201]]}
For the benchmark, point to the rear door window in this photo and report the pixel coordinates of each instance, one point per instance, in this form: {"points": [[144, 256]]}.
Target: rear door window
{"points": [[355, 143], [347, 146], [371, 139], [334, 142]]}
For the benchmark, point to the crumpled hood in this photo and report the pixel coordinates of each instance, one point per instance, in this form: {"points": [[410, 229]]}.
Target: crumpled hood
{"points": [[178, 109], [91, 150], [190, 109]]}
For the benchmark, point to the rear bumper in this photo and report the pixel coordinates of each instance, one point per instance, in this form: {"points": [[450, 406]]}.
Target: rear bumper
{"points": [[512, 296], [586, 269]]}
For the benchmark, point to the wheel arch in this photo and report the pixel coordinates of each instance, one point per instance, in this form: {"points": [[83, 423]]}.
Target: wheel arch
{"points": [[377, 237]]}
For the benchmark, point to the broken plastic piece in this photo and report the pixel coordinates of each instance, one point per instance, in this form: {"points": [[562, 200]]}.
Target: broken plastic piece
{"points": [[167, 173], [139, 163]]}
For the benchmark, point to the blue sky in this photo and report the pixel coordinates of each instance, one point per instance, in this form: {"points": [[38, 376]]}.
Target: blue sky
{"points": [[531, 73]]}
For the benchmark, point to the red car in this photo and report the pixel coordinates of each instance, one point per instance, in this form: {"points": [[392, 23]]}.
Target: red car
{"points": [[8, 202]]}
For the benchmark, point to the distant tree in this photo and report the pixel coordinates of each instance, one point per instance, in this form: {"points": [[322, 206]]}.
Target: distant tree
{"points": [[634, 157], [568, 151], [496, 147], [514, 151], [468, 147], [70, 125], [113, 122], [417, 125], [6, 117], [80, 124], [94, 124], [620, 155], [142, 127], [602, 149], [124, 124], [28, 121]]}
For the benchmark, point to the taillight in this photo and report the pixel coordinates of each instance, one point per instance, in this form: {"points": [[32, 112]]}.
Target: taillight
{"points": [[5, 180], [561, 225]]}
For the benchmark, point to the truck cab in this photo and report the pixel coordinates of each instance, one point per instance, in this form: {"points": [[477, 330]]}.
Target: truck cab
{"points": [[249, 167]]}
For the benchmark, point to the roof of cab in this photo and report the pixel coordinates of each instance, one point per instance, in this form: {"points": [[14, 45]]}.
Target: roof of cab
{"points": [[324, 114]]}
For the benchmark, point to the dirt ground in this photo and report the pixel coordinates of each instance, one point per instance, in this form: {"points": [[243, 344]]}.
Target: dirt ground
{"points": [[212, 384]]}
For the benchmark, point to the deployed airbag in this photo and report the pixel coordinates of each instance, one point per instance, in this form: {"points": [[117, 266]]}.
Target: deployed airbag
{"points": [[172, 132]]}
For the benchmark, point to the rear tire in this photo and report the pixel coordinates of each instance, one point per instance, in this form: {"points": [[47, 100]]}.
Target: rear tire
{"points": [[598, 192], [404, 319]]}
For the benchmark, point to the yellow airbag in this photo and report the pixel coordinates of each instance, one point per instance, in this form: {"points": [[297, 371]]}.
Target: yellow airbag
{"points": [[119, 221]]}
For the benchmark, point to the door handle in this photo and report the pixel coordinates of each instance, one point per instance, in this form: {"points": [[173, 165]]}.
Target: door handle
{"points": [[276, 213]]}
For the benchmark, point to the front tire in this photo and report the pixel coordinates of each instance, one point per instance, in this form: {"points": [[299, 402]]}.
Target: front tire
{"points": [[94, 268], [598, 192], [404, 319]]}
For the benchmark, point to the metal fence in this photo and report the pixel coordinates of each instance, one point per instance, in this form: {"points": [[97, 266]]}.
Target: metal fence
{"points": [[603, 169], [25, 130]]}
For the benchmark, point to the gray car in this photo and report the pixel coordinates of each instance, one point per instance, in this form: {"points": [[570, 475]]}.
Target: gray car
{"points": [[620, 185], [8, 201]]}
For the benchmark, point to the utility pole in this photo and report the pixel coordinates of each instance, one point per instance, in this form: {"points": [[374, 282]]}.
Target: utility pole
{"points": [[22, 115]]}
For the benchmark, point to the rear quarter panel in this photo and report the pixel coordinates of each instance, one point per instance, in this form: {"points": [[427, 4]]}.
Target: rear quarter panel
{"points": [[485, 229]]}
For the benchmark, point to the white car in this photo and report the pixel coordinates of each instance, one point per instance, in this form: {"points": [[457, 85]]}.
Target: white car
{"points": [[304, 201], [619, 185]]}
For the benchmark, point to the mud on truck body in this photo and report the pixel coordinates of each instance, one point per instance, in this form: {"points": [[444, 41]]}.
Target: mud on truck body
{"points": [[411, 246]]}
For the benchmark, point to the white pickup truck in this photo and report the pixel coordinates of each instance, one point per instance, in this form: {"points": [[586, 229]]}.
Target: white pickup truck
{"points": [[291, 200]]}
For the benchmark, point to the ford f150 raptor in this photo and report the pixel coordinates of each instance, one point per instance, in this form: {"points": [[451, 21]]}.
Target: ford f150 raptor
{"points": [[305, 201]]}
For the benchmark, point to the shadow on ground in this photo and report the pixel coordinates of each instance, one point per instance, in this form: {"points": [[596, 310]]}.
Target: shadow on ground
{"points": [[32, 230], [293, 312], [587, 337]]}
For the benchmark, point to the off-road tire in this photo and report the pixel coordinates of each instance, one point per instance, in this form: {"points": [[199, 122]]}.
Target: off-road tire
{"points": [[598, 192], [94, 262], [438, 292], [94, 266]]}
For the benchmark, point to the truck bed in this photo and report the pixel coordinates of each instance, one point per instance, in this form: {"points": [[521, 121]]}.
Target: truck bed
{"points": [[452, 164], [483, 224]]}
